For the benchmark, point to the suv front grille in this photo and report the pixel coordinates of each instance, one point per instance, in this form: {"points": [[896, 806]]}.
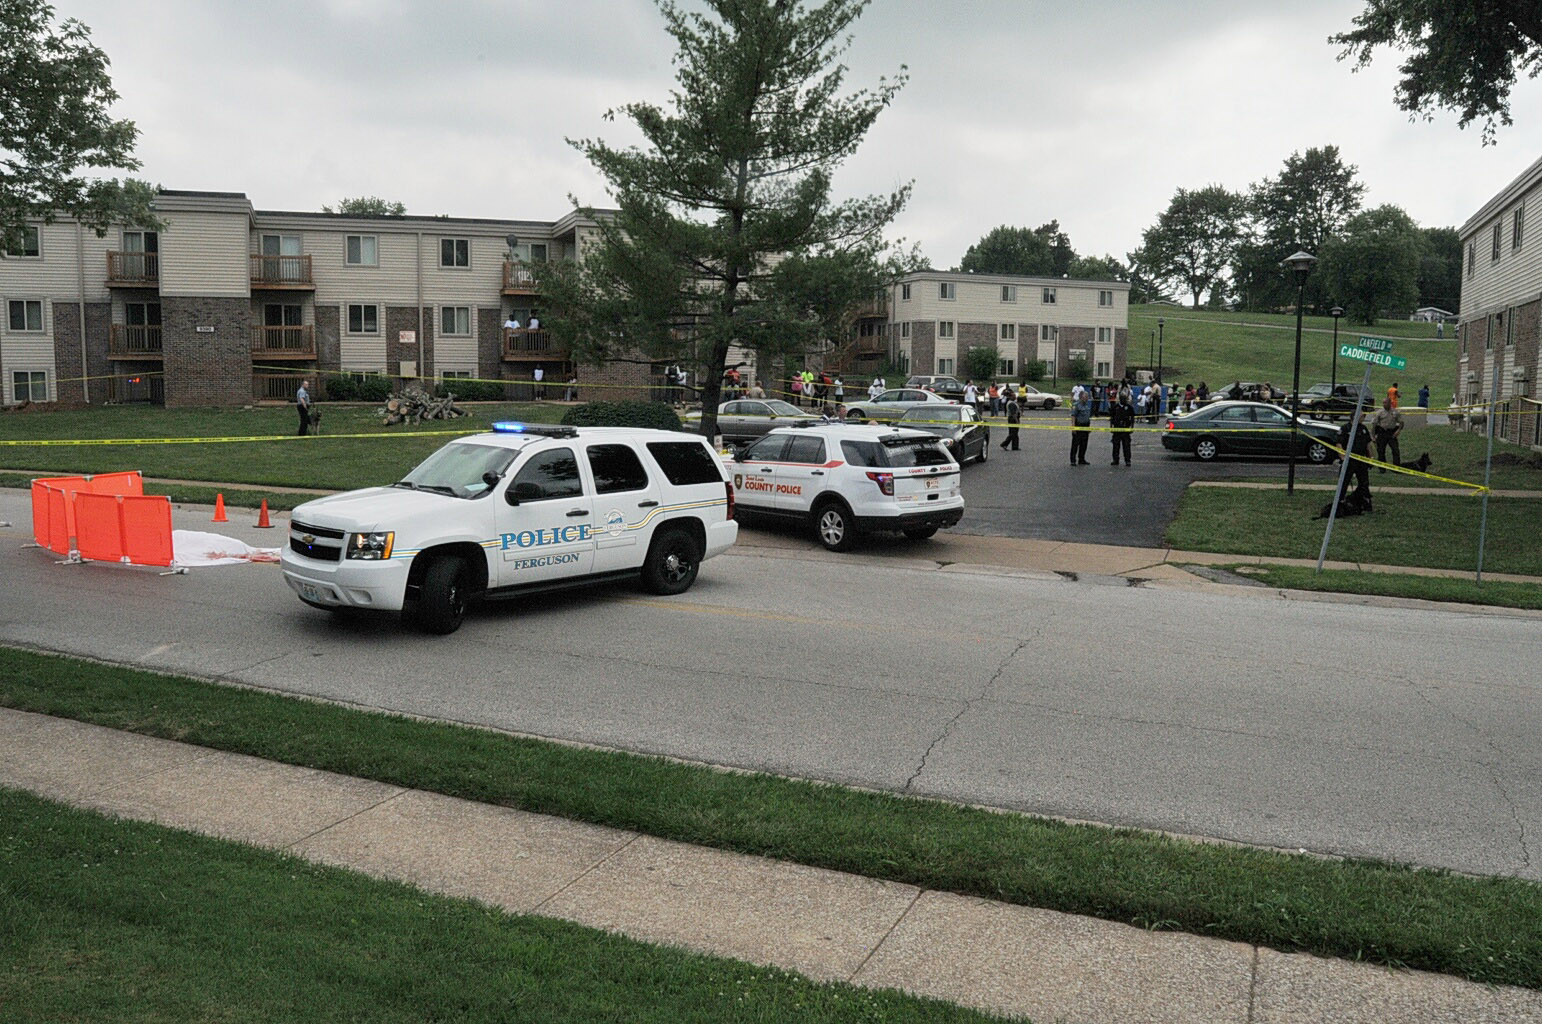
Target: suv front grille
{"points": [[316, 542]]}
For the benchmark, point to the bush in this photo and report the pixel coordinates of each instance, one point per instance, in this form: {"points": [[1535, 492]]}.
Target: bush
{"points": [[358, 388], [1077, 369], [1033, 370], [472, 390], [653, 415]]}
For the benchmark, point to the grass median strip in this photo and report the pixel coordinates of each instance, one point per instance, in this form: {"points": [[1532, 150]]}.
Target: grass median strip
{"points": [[130, 921], [1485, 929], [193, 494], [1386, 584]]}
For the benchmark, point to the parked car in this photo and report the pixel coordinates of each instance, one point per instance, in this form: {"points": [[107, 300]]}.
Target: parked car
{"points": [[1246, 391], [1030, 397], [1325, 401], [947, 386], [892, 404], [745, 419], [845, 481], [959, 426], [1247, 428]]}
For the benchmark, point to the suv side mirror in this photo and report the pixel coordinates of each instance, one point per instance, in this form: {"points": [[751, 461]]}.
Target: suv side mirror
{"points": [[523, 491]]}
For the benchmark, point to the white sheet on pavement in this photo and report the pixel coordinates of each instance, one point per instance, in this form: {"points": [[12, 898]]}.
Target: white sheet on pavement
{"points": [[194, 549]]}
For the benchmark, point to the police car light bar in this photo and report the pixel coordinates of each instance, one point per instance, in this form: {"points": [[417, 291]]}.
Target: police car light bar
{"points": [[513, 427]]}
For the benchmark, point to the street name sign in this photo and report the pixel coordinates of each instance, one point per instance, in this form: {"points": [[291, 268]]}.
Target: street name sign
{"points": [[1349, 351], [1376, 344]]}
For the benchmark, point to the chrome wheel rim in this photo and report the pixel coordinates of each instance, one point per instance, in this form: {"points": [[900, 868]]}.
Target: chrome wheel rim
{"points": [[832, 527]]}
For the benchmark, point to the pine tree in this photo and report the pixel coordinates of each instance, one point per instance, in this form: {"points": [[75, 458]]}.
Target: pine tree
{"points": [[727, 233]]}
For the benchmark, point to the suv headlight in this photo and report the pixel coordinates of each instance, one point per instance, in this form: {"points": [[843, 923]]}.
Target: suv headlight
{"points": [[372, 546]]}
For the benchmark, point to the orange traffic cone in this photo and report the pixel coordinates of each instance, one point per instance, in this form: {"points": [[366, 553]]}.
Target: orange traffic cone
{"points": [[219, 509], [262, 517]]}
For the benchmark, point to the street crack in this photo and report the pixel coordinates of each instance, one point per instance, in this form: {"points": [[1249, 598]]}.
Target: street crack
{"points": [[968, 704]]}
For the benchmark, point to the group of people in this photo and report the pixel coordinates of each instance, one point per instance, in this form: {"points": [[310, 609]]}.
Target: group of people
{"points": [[817, 388]]}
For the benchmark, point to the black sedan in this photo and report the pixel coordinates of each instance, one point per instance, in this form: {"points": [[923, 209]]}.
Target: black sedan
{"points": [[1247, 428], [959, 426], [1328, 400]]}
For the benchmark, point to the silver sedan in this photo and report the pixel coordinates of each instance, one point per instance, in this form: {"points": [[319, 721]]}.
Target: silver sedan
{"points": [[893, 404], [746, 419]]}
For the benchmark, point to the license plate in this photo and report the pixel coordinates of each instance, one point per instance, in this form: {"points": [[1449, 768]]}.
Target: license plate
{"points": [[311, 592], [931, 485]]}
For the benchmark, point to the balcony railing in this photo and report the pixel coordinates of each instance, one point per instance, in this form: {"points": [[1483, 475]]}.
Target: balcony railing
{"points": [[133, 268], [134, 341], [284, 342], [137, 387], [281, 387], [281, 271], [518, 276], [522, 343]]}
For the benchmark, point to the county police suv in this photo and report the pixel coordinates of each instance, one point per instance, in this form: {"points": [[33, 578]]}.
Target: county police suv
{"points": [[847, 480], [520, 509]]}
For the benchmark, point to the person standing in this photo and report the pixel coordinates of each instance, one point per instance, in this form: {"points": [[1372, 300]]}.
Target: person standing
{"points": [[1384, 429], [1188, 398], [535, 321], [757, 390], [302, 404], [971, 395], [540, 389], [572, 392], [1081, 423], [1361, 445], [1424, 397], [1392, 394], [1014, 416], [840, 393], [874, 389], [1121, 422]]}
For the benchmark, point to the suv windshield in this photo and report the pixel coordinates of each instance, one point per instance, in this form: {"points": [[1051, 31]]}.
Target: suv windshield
{"points": [[457, 469]]}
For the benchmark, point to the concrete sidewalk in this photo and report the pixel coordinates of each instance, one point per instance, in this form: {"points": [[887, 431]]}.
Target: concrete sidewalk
{"points": [[1006, 959]]}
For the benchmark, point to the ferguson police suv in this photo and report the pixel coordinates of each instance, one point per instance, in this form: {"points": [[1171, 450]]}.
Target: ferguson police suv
{"points": [[520, 509], [848, 480]]}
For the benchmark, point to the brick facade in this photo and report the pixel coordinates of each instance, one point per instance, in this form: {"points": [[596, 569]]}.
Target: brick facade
{"points": [[213, 368], [489, 342], [923, 347], [329, 350], [1524, 346], [405, 318], [973, 336], [1075, 337], [613, 382], [67, 365]]}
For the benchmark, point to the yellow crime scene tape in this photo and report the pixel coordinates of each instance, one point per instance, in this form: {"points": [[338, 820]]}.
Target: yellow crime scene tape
{"points": [[234, 440]]}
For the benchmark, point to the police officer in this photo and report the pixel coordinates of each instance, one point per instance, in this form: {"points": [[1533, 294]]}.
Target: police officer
{"points": [[1014, 416], [302, 403], [1357, 468], [1121, 421]]}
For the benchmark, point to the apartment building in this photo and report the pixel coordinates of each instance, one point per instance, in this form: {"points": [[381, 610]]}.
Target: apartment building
{"points": [[1502, 307], [227, 305], [931, 318]]}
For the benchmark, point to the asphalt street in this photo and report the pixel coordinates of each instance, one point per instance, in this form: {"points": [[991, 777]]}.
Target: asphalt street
{"points": [[1349, 729], [1036, 492]]}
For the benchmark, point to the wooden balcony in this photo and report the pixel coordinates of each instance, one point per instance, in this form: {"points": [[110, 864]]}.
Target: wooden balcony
{"points": [[281, 387], [282, 273], [519, 278], [524, 345], [133, 269], [134, 341], [284, 342]]}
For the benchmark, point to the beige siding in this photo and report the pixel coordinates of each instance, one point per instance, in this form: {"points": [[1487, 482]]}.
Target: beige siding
{"points": [[980, 302], [362, 352], [395, 277], [476, 284], [28, 351], [205, 254], [455, 352], [1517, 277]]}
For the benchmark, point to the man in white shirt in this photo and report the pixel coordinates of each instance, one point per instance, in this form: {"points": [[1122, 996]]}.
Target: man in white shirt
{"points": [[875, 389], [540, 375], [512, 323], [535, 322], [971, 394]]}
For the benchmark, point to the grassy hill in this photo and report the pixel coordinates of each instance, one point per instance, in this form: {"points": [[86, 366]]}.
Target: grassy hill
{"points": [[1218, 348]]}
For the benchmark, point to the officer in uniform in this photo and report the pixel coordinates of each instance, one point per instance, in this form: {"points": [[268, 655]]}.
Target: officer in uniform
{"points": [[1121, 421]]}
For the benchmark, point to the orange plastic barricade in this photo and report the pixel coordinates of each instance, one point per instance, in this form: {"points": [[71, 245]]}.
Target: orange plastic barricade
{"points": [[40, 531], [146, 529], [61, 528], [98, 527], [117, 483]]}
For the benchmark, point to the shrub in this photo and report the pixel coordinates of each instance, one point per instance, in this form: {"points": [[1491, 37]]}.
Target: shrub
{"points": [[654, 415], [349, 387], [472, 390], [1077, 369], [1033, 370]]}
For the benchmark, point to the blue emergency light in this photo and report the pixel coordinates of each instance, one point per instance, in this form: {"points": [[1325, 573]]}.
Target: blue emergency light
{"points": [[545, 430]]}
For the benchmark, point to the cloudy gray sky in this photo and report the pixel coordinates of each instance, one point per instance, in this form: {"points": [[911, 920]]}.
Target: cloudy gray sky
{"points": [[1017, 111]]}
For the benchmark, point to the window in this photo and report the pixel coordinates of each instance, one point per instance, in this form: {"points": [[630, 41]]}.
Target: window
{"points": [[31, 244], [806, 449], [1472, 257], [1517, 227], [1105, 369], [1049, 332], [143, 314], [1105, 335], [455, 320], [905, 329], [454, 374], [548, 474], [616, 468], [1235, 414], [455, 252], [278, 314], [1049, 366], [945, 329], [1488, 339], [1007, 367], [947, 290], [767, 449], [362, 251], [1105, 298], [29, 386], [1008, 332], [686, 462], [363, 319], [904, 293], [1077, 353], [944, 366], [1496, 243], [869, 453], [537, 252], [1009, 293], [1049, 297], [281, 245], [26, 314]]}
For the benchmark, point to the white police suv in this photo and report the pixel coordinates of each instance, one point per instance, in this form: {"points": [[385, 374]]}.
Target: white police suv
{"points": [[520, 509], [847, 480]]}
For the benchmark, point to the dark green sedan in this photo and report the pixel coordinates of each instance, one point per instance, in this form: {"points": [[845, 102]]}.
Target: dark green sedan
{"points": [[1248, 428]]}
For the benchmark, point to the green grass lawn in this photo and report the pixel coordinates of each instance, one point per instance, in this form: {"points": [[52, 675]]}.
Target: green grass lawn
{"points": [[330, 460], [1487, 929], [1433, 531], [1219, 348], [131, 922], [1383, 584]]}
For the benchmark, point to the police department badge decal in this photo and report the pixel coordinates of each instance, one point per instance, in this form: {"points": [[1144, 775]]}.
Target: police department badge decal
{"points": [[615, 522]]}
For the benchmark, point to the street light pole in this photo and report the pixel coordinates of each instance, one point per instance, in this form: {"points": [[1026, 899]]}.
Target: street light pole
{"points": [[1151, 352], [1300, 265], [1161, 324], [1336, 312]]}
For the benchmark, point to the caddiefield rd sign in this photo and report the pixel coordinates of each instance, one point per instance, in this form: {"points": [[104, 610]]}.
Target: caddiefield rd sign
{"points": [[1374, 350]]}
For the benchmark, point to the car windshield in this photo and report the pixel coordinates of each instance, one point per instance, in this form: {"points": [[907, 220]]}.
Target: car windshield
{"points": [[457, 468], [912, 452], [1319, 389], [785, 409], [933, 414]]}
